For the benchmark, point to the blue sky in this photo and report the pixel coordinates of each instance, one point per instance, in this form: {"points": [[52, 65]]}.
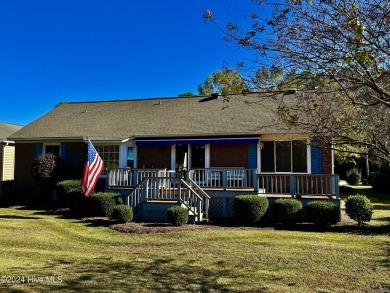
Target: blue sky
{"points": [[89, 50]]}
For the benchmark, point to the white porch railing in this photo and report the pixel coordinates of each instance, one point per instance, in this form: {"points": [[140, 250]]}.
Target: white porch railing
{"points": [[174, 189], [302, 184], [228, 178], [225, 178], [127, 177]]}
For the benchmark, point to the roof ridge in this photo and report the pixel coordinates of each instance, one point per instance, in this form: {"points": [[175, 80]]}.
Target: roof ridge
{"points": [[171, 98], [13, 124]]}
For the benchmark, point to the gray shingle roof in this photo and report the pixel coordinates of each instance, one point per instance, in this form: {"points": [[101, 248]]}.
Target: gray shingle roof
{"points": [[7, 129], [182, 116]]}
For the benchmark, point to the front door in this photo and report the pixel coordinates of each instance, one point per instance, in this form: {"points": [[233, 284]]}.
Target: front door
{"points": [[198, 156]]}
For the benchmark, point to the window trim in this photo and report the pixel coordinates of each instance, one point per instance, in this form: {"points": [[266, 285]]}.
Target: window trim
{"points": [[44, 145], [97, 145], [308, 157]]}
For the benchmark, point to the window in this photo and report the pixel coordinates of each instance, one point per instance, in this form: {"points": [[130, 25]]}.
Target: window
{"points": [[284, 156], [109, 155], [52, 149]]}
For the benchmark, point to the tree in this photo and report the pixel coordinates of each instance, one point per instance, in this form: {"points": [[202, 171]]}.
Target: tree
{"points": [[343, 46], [187, 94], [47, 169], [227, 81]]}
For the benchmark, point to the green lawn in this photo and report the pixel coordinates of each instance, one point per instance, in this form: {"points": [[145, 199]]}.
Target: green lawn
{"points": [[87, 258]]}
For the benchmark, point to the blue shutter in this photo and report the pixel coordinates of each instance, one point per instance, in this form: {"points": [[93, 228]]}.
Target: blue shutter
{"points": [[252, 156], [63, 151], [316, 159], [38, 150]]}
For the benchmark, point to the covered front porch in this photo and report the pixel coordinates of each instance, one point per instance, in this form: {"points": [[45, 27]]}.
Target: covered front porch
{"points": [[233, 179], [210, 192]]}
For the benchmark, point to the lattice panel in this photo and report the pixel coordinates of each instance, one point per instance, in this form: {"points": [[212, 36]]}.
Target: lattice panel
{"points": [[155, 216], [216, 208], [230, 211]]}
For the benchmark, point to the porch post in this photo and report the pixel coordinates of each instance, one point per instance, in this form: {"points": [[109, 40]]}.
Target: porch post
{"points": [[255, 181], [178, 181], [146, 190], [336, 186], [134, 177], [224, 179], [292, 186]]}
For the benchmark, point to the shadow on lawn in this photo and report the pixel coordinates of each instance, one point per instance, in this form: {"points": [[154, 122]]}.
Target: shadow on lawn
{"points": [[147, 275], [353, 229], [19, 217], [68, 214]]}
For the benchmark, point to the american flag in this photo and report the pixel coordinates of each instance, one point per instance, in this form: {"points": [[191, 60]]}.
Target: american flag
{"points": [[93, 167]]}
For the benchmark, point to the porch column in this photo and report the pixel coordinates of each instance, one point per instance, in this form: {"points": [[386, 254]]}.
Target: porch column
{"points": [[173, 157], [258, 168]]}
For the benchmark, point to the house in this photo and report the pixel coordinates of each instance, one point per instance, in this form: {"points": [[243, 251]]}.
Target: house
{"points": [[204, 149], [7, 151]]}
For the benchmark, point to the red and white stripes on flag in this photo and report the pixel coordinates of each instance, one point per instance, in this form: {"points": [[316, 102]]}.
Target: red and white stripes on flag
{"points": [[93, 168]]}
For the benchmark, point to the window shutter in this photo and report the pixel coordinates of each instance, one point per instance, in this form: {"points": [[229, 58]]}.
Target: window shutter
{"points": [[63, 151], [316, 159], [252, 156], [38, 150]]}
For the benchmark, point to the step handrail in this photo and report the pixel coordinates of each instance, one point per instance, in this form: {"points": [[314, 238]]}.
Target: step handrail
{"points": [[187, 194], [133, 198]]}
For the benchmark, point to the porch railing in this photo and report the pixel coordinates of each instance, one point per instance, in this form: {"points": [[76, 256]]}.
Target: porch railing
{"points": [[172, 189], [294, 185], [231, 178], [126, 177], [225, 178]]}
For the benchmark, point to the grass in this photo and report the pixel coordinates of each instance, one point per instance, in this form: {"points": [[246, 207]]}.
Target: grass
{"points": [[366, 190], [88, 258]]}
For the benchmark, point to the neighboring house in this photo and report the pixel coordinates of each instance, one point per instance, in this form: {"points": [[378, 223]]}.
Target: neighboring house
{"points": [[227, 145], [7, 151]]}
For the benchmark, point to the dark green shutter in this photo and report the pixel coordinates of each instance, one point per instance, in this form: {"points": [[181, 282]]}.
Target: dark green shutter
{"points": [[38, 150], [63, 151], [252, 156], [316, 158]]}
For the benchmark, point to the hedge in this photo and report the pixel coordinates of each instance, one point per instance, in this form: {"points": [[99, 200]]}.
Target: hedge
{"points": [[102, 203], [177, 215], [323, 212], [359, 208], [69, 195], [287, 210], [249, 209], [122, 213]]}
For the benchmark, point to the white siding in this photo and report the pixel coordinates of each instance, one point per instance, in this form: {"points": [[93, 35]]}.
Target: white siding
{"points": [[9, 162]]}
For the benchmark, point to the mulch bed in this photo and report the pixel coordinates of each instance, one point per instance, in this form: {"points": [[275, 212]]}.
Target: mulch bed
{"points": [[345, 225]]}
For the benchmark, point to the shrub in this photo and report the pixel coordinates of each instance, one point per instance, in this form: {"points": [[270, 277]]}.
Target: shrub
{"points": [[68, 186], [287, 210], [359, 208], [69, 195], [102, 204], [249, 209], [323, 212], [353, 176], [177, 215], [47, 168], [122, 213]]}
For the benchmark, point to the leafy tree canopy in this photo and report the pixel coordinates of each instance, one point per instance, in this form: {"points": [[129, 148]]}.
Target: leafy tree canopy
{"points": [[339, 46], [227, 81], [187, 94]]}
